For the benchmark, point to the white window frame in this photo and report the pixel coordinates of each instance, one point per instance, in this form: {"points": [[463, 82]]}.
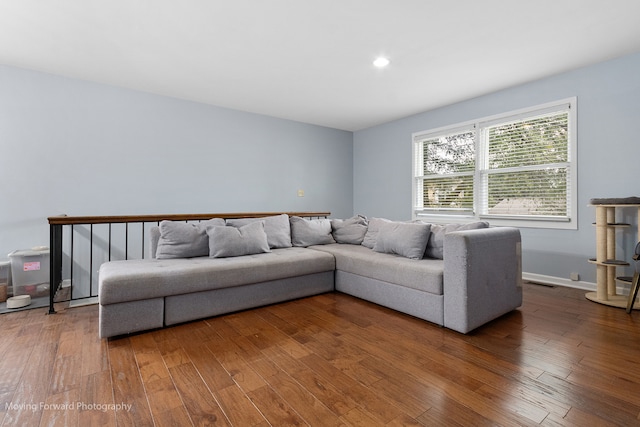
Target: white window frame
{"points": [[569, 222]]}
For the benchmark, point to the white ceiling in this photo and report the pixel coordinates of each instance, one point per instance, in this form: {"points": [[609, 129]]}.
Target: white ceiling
{"points": [[311, 60]]}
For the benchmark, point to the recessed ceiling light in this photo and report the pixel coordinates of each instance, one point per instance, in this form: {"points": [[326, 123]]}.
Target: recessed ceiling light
{"points": [[381, 62]]}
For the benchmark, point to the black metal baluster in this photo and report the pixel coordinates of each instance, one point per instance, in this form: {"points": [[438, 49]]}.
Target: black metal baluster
{"points": [[91, 261], [55, 263], [72, 262]]}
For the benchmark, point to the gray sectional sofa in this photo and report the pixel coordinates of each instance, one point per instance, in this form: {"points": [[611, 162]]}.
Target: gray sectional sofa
{"points": [[456, 276]]}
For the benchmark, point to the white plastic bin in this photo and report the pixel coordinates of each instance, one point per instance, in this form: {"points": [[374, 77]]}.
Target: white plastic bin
{"points": [[30, 271]]}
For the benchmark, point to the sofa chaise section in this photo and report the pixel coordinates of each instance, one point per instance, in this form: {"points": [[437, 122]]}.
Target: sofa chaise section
{"points": [[135, 295]]}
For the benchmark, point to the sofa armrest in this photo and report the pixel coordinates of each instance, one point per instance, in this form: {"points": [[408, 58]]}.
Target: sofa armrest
{"points": [[482, 276]]}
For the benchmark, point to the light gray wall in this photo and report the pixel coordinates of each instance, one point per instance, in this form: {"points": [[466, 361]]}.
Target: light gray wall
{"points": [[73, 147], [608, 158]]}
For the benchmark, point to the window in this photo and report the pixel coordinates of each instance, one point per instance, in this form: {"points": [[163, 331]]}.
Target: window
{"points": [[516, 168]]}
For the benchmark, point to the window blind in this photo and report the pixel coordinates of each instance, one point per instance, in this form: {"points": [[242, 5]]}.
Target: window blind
{"points": [[526, 170], [445, 170]]}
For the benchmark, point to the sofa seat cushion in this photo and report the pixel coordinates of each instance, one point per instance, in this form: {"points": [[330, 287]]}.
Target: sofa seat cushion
{"points": [[423, 274], [152, 278]]}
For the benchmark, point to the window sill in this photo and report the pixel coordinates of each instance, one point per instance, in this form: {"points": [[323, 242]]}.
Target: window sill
{"points": [[567, 224]]}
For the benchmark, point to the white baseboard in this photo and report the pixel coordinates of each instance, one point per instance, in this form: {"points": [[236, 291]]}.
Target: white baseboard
{"points": [[83, 301], [578, 284], [558, 281]]}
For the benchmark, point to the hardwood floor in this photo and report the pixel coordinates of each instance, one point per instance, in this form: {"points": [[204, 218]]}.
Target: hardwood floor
{"points": [[332, 359]]}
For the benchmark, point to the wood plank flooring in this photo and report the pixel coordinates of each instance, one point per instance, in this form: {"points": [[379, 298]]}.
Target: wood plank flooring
{"points": [[328, 360]]}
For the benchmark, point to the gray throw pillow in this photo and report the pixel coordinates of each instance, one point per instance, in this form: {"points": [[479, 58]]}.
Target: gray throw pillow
{"points": [[350, 231], [435, 247], [307, 232], [403, 238], [277, 229], [229, 241], [369, 240], [184, 240]]}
